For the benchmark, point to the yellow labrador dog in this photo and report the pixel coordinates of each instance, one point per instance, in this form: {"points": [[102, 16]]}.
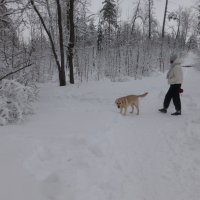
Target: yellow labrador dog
{"points": [[130, 100]]}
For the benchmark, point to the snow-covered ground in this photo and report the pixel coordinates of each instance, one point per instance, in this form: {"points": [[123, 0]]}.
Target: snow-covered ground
{"points": [[77, 146]]}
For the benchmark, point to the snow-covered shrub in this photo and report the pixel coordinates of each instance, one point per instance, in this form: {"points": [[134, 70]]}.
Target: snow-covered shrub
{"points": [[119, 78], [15, 101]]}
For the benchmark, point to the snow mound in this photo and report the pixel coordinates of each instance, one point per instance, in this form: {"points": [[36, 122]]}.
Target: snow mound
{"points": [[15, 101]]}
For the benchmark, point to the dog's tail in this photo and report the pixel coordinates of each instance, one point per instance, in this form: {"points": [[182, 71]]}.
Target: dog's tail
{"points": [[143, 95]]}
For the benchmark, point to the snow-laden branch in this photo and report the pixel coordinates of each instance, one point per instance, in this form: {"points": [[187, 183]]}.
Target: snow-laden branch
{"points": [[13, 72]]}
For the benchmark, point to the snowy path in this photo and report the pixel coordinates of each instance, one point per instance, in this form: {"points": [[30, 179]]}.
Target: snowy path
{"points": [[78, 147]]}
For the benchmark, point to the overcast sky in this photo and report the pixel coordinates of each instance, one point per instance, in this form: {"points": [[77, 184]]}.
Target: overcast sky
{"points": [[127, 7]]}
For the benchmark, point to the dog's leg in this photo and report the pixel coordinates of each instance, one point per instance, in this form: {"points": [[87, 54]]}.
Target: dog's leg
{"points": [[137, 109], [132, 106], [121, 110], [125, 109]]}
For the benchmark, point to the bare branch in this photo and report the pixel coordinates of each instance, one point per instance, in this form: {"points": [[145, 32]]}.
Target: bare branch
{"points": [[13, 72]]}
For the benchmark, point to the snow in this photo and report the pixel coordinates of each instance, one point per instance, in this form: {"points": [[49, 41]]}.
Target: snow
{"points": [[15, 101], [78, 146]]}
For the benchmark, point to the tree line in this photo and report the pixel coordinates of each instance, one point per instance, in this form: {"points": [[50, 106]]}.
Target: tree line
{"points": [[65, 42]]}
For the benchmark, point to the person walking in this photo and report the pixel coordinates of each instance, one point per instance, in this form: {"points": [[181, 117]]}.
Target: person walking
{"points": [[175, 79]]}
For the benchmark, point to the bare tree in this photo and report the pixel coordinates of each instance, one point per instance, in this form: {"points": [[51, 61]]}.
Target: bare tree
{"points": [[60, 64], [13, 54], [182, 17], [136, 15]]}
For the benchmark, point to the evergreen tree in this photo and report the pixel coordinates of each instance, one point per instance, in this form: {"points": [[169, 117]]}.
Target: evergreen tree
{"points": [[91, 33], [99, 37], [109, 14]]}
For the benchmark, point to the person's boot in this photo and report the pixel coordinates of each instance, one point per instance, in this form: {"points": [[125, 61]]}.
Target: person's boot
{"points": [[163, 110], [178, 112]]}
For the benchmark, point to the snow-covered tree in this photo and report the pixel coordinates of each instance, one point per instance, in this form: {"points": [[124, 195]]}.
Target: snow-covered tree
{"points": [[109, 16]]}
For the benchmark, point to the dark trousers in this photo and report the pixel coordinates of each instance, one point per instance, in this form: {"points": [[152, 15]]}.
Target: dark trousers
{"points": [[173, 93]]}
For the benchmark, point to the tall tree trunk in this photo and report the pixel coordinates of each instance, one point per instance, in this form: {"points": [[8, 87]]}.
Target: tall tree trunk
{"points": [[164, 19], [71, 41], [61, 42], [62, 79], [149, 19], [50, 20]]}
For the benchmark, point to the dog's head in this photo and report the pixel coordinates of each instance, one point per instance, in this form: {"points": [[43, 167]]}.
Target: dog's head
{"points": [[118, 103]]}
